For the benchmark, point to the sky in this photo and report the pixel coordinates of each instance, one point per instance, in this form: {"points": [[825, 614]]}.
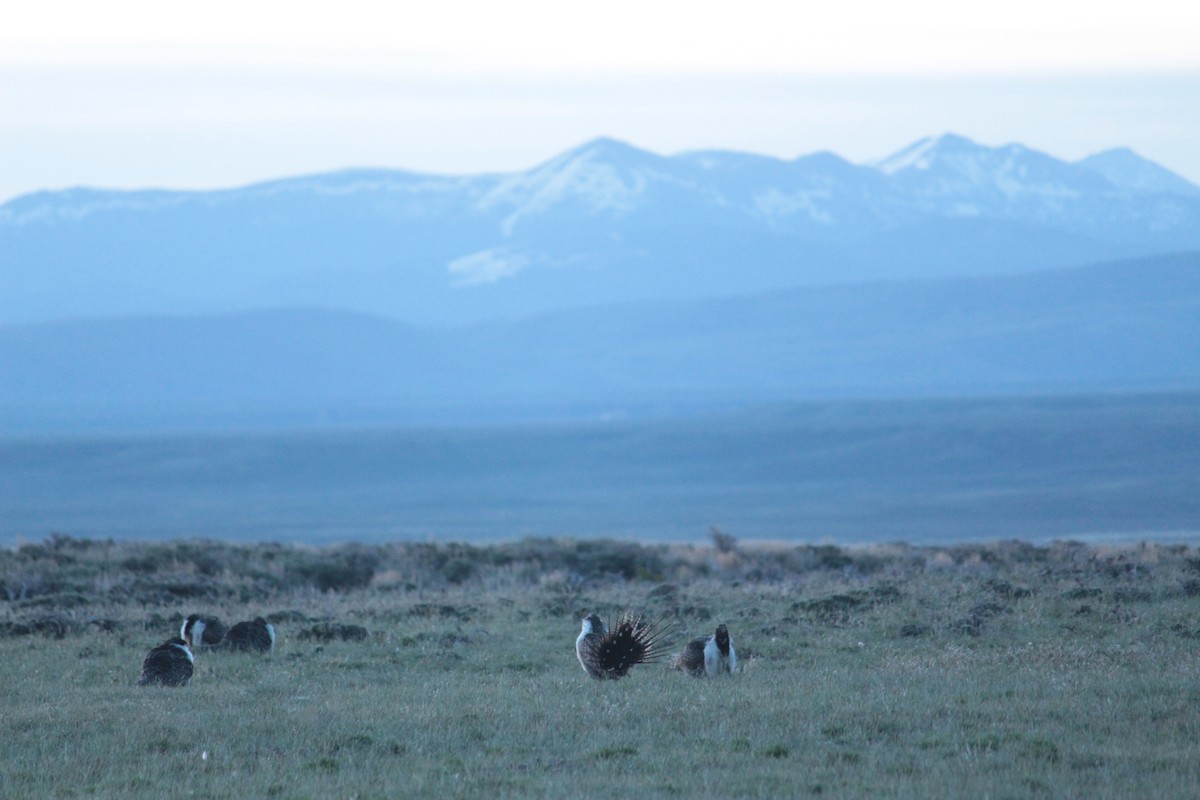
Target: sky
{"points": [[136, 94]]}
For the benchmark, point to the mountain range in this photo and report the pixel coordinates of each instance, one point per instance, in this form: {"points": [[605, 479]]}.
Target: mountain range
{"points": [[608, 280], [602, 223]]}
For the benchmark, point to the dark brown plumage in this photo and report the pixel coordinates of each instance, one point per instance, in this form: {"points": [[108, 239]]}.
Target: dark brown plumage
{"points": [[691, 658], [169, 664], [256, 636], [605, 653]]}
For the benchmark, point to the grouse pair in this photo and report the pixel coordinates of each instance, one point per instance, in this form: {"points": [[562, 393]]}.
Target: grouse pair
{"points": [[605, 653], [172, 662], [256, 636]]}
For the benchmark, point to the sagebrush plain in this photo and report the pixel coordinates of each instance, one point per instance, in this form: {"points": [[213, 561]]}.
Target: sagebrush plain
{"points": [[420, 670]]}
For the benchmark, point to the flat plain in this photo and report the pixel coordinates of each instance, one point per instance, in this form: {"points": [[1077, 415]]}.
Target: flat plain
{"points": [[447, 670], [920, 471]]}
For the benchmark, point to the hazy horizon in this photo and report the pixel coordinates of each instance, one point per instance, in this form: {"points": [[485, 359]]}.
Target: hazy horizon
{"points": [[132, 96]]}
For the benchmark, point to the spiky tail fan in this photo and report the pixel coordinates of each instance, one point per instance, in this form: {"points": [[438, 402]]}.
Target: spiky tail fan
{"points": [[631, 641]]}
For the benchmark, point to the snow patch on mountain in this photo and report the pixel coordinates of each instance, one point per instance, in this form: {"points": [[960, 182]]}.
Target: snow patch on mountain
{"points": [[953, 176], [77, 204], [918, 156], [776, 206], [486, 266], [604, 177], [81, 203]]}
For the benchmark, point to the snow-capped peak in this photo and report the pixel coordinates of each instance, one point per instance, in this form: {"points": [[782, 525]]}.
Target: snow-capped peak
{"points": [[605, 148], [603, 175], [924, 153]]}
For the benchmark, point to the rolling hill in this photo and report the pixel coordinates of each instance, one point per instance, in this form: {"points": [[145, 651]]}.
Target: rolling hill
{"points": [[1116, 326]]}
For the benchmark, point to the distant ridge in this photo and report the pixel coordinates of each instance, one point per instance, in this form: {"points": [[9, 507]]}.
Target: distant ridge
{"points": [[1119, 326], [603, 222], [1126, 169]]}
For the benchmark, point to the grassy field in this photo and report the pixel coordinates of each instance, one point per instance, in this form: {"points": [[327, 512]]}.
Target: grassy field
{"points": [[982, 671]]}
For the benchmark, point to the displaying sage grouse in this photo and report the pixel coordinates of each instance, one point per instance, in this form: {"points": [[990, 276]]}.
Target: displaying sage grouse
{"points": [[169, 664], [202, 631], [256, 636], [708, 655], [605, 653]]}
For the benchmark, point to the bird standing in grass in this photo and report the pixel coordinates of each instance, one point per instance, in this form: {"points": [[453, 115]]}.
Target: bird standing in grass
{"points": [[256, 636], [169, 664], [605, 653], [202, 631], [708, 655]]}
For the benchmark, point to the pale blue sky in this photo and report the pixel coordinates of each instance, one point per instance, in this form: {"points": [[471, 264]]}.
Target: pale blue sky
{"points": [[133, 93]]}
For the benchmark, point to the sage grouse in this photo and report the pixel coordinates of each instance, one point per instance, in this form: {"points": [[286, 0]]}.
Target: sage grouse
{"points": [[169, 664], [202, 631], [605, 653], [256, 636], [708, 655]]}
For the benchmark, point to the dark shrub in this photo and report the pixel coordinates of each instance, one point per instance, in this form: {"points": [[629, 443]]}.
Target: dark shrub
{"points": [[458, 570], [884, 593], [832, 604], [1006, 589], [144, 564], [25, 587], [55, 625], [207, 558], [336, 572], [9, 629], [189, 590], [334, 631], [722, 541], [604, 558], [57, 600]]}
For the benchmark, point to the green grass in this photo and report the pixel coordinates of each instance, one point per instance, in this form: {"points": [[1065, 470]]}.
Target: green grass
{"points": [[996, 671]]}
